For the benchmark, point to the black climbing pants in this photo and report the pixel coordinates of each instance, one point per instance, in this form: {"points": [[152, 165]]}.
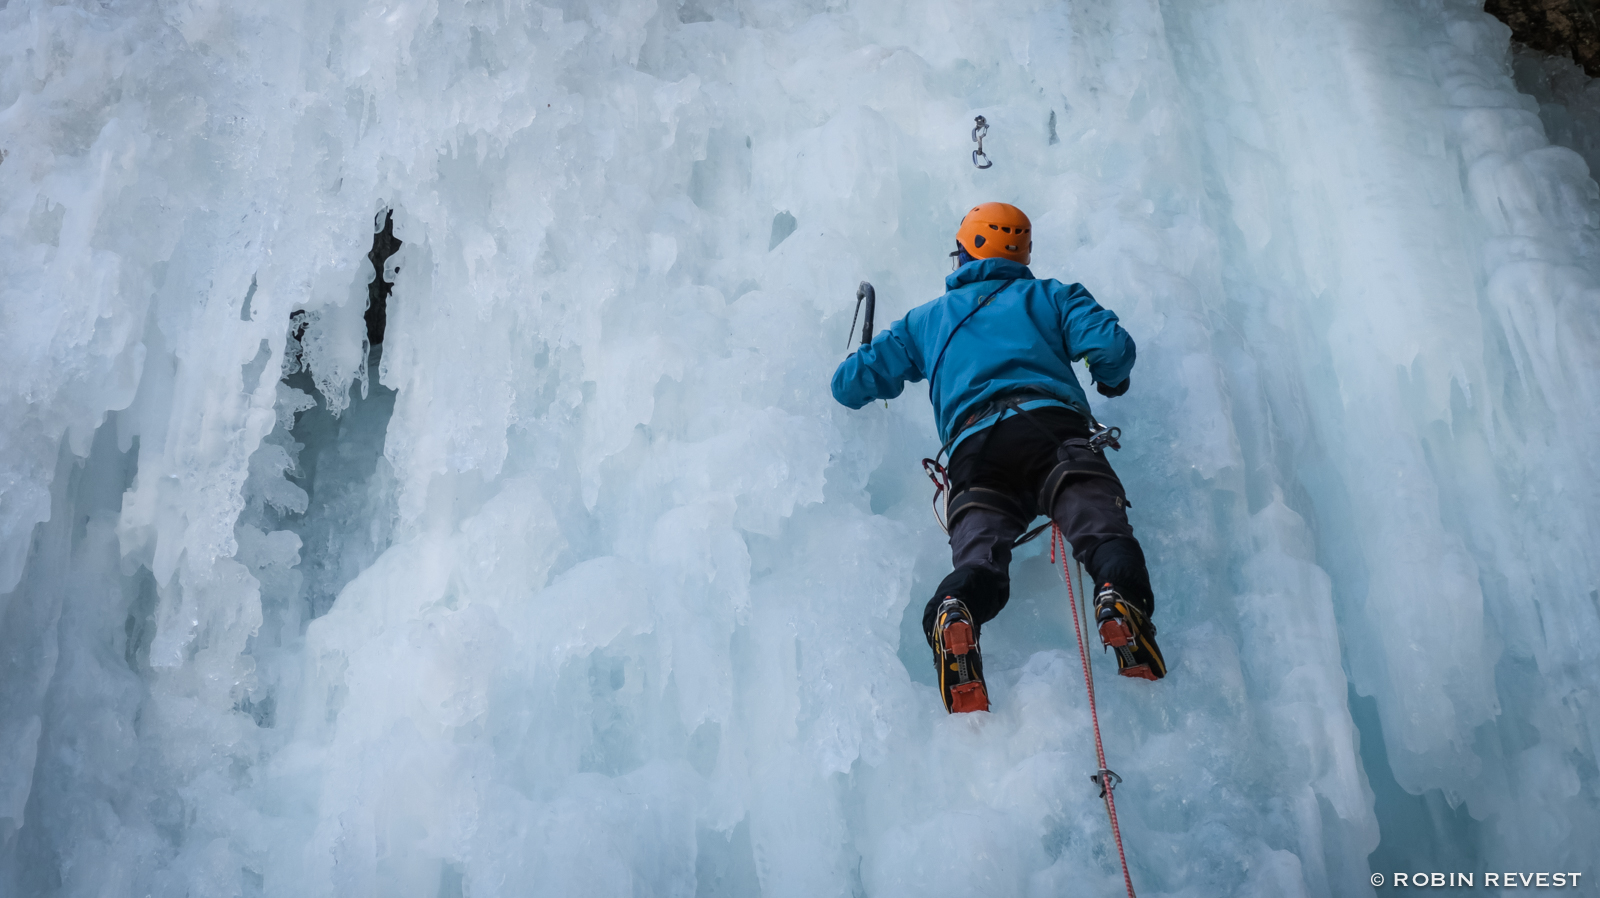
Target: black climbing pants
{"points": [[1014, 457]]}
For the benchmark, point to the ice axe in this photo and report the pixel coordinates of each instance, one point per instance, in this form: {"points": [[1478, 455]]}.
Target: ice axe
{"points": [[865, 292]]}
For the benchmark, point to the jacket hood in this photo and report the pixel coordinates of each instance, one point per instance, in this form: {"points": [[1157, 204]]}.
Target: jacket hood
{"points": [[986, 270]]}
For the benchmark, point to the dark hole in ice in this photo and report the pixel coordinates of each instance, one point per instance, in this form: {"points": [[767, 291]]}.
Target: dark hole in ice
{"points": [[244, 310], [1415, 832], [452, 881], [725, 863], [783, 224], [384, 245], [252, 369], [690, 13], [140, 625], [264, 712], [335, 460]]}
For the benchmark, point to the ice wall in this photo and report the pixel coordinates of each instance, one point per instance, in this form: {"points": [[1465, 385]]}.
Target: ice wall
{"points": [[580, 584]]}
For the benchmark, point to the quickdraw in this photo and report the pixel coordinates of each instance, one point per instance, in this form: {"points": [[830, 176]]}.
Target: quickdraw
{"points": [[1106, 779], [980, 130], [941, 490]]}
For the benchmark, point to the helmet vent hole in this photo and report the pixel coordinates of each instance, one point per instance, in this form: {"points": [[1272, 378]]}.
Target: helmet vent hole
{"points": [[978, 241], [994, 227], [1010, 249]]}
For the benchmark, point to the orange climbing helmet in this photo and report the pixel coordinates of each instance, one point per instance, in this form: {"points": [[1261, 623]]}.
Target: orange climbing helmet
{"points": [[996, 230]]}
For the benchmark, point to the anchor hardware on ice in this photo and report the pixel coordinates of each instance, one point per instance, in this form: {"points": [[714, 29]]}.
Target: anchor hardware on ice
{"points": [[980, 129], [1106, 779]]}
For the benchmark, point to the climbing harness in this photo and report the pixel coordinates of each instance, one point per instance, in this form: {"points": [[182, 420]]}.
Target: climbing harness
{"points": [[866, 292], [1076, 458], [980, 130], [1103, 776]]}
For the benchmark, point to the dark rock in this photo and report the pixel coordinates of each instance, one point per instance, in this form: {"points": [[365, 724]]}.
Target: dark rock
{"points": [[1559, 27]]}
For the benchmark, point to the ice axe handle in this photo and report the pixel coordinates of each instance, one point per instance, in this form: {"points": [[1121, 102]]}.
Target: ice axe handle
{"points": [[866, 292]]}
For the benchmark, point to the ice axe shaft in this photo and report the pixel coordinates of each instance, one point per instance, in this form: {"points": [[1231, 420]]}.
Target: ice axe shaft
{"points": [[864, 292]]}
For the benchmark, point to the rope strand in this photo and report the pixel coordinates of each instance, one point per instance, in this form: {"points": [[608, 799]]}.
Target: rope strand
{"points": [[1057, 539]]}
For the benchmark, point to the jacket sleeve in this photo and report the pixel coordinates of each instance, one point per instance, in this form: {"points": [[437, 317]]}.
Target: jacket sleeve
{"points": [[880, 369], [1093, 334]]}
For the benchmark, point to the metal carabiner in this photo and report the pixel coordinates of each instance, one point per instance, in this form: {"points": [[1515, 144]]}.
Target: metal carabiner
{"points": [[941, 489], [980, 130], [1103, 436]]}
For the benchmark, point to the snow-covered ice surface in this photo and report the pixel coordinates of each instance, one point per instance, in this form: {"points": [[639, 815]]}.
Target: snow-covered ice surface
{"points": [[583, 585]]}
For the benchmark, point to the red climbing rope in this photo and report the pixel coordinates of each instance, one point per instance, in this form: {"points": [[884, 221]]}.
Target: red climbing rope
{"points": [[1104, 775]]}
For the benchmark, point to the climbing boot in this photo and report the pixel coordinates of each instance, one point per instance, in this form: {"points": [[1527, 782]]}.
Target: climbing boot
{"points": [[1127, 631], [955, 653]]}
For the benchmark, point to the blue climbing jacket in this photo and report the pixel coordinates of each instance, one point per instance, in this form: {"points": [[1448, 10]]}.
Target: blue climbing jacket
{"points": [[1023, 341]]}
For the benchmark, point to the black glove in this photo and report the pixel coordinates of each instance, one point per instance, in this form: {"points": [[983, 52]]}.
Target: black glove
{"points": [[1114, 391]]}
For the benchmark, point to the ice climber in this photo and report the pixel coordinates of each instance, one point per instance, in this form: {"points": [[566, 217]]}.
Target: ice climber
{"points": [[997, 352]]}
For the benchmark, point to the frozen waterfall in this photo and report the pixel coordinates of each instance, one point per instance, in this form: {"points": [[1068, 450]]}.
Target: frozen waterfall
{"points": [[580, 584]]}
